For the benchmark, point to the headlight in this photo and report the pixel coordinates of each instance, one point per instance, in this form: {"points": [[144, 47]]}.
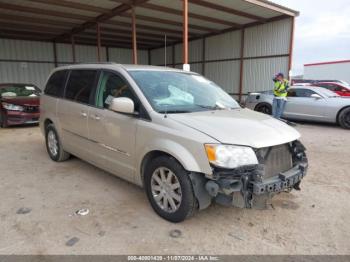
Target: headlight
{"points": [[228, 156], [12, 107]]}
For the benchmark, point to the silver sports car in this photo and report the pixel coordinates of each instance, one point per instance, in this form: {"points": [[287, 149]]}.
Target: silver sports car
{"points": [[306, 103]]}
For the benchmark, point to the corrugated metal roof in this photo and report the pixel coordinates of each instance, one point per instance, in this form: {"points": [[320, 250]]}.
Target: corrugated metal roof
{"points": [[153, 17]]}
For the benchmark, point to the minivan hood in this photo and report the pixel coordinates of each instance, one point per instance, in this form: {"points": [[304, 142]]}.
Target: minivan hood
{"points": [[239, 127]]}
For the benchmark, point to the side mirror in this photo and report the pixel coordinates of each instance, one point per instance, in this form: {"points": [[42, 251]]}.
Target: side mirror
{"points": [[257, 95], [122, 105], [316, 96]]}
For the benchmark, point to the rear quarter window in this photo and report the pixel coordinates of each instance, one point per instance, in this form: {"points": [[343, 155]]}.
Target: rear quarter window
{"points": [[80, 85], [55, 85]]}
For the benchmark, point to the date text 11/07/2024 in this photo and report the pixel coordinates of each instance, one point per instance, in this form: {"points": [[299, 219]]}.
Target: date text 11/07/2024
{"points": [[173, 258]]}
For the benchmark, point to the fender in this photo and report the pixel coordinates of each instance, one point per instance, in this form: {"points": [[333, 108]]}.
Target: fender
{"points": [[179, 152]]}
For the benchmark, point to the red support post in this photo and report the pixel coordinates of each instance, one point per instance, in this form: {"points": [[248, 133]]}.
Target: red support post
{"points": [[134, 39], [185, 33], [291, 45]]}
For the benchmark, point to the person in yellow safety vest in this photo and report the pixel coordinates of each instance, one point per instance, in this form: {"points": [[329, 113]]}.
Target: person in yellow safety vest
{"points": [[281, 86]]}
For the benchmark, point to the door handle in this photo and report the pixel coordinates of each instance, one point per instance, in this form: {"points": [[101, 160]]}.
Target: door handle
{"points": [[83, 114], [96, 117]]}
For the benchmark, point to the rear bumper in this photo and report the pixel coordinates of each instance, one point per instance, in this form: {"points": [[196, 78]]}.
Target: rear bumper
{"points": [[19, 118]]}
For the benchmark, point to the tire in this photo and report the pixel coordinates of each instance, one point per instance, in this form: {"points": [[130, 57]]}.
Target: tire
{"points": [[264, 108], [54, 146], [180, 207], [344, 118]]}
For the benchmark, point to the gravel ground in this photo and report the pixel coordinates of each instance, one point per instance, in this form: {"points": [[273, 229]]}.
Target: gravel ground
{"points": [[39, 198]]}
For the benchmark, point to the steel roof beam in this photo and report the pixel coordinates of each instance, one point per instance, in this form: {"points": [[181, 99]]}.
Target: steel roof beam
{"points": [[74, 5], [36, 28], [33, 20], [226, 9], [116, 37], [33, 10], [191, 15], [101, 18], [146, 27]]}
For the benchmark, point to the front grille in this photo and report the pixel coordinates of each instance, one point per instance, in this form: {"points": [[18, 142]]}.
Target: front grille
{"points": [[277, 159], [31, 109]]}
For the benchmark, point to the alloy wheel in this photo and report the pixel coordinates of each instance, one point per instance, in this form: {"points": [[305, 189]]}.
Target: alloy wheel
{"points": [[166, 189], [52, 142]]}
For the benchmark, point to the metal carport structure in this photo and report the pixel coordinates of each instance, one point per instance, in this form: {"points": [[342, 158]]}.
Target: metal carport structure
{"points": [[237, 43]]}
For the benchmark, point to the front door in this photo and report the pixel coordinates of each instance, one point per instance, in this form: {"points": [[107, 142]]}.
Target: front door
{"points": [[301, 105], [113, 133]]}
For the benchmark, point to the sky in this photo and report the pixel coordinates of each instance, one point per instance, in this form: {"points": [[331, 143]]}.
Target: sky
{"points": [[322, 31]]}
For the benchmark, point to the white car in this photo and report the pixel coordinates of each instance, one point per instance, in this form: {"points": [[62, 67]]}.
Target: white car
{"points": [[310, 103]]}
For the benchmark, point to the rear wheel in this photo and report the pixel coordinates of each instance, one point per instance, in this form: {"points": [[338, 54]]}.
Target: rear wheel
{"points": [[169, 189], [54, 146], [344, 118], [264, 108]]}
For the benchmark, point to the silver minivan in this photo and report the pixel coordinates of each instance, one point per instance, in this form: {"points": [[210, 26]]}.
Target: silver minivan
{"points": [[175, 133]]}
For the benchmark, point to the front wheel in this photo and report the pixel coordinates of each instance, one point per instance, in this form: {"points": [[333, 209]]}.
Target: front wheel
{"points": [[264, 108], [344, 118], [169, 189], [54, 146]]}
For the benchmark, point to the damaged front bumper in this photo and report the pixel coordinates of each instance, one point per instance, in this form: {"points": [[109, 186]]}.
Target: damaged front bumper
{"points": [[282, 182], [250, 186]]}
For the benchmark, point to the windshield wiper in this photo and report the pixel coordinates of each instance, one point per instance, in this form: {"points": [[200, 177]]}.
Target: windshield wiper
{"points": [[209, 107], [216, 107], [174, 111]]}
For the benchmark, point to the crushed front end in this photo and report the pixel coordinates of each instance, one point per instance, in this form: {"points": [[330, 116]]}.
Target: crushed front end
{"points": [[281, 169]]}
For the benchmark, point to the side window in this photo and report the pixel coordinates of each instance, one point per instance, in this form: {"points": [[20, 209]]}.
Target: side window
{"points": [[335, 88], [55, 85], [291, 93], [331, 87], [112, 85], [328, 86], [304, 93], [80, 85]]}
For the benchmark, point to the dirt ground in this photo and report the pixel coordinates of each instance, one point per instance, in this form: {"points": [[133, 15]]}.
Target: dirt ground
{"points": [[39, 198]]}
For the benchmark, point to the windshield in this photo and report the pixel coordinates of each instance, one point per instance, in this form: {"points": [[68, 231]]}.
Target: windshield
{"points": [[177, 92], [345, 84], [19, 90]]}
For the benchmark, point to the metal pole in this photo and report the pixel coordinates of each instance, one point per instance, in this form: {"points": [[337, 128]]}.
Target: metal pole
{"points": [[107, 53], [98, 31], [173, 54], [203, 56], [55, 54], [186, 66], [241, 67], [165, 57], [73, 48], [134, 40], [149, 56], [291, 47]]}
